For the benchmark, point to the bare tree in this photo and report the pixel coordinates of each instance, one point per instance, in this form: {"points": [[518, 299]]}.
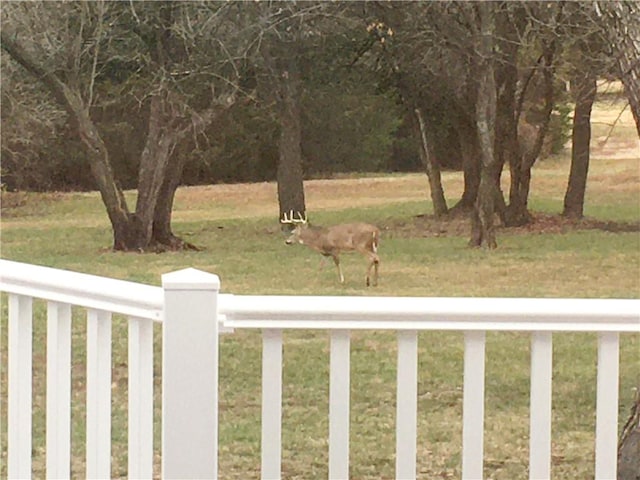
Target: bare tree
{"points": [[280, 49], [438, 64], [288, 33], [75, 49]]}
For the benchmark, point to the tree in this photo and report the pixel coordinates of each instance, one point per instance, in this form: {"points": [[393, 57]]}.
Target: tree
{"points": [[280, 50], [621, 21], [291, 35], [588, 59], [435, 60], [403, 66], [91, 53], [431, 167]]}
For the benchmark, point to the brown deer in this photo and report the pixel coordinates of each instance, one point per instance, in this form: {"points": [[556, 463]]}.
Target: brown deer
{"points": [[331, 241]]}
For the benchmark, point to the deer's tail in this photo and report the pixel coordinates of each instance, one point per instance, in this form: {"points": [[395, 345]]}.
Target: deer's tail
{"points": [[375, 240]]}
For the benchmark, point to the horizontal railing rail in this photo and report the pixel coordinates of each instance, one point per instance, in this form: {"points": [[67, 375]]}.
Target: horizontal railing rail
{"points": [[421, 313], [81, 289]]}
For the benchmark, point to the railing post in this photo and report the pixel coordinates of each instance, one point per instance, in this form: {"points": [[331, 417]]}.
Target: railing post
{"points": [[190, 375]]}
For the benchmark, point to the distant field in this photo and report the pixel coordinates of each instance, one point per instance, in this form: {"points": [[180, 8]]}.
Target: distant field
{"points": [[236, 226]]}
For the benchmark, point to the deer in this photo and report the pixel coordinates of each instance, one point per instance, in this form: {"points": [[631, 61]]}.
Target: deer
{"points": [[331, 241]]}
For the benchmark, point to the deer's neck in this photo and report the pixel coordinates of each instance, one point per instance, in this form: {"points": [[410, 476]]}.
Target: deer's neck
{"points": [[314, 237]]}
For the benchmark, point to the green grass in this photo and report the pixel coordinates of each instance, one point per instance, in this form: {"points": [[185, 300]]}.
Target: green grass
{"points": [[243, 245]]}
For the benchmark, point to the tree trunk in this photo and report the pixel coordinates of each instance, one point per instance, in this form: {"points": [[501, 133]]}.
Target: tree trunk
{"points": [[432, 169], [518, 209], [289, 171], [162, 232], [507, 147], [629, 444], [154, 162], [482, 227], [584, 89], [471, 171]]}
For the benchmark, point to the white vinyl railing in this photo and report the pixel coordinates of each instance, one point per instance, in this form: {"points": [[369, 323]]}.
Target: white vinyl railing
{"points": [[193, 314]]}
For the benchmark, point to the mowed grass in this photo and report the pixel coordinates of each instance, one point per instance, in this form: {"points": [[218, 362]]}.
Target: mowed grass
{"points": [[236, 226]]}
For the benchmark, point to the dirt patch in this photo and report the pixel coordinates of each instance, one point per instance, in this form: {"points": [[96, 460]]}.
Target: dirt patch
{"points": [[459, 225]]}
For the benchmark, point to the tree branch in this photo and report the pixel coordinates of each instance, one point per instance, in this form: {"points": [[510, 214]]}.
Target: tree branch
{"points": [[20, 55]]}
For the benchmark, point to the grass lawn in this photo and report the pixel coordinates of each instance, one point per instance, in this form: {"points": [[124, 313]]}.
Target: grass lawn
{"points": [[236, 226]]}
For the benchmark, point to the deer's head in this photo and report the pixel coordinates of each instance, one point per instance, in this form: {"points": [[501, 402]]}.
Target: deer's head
{"points": [[298, 225]]}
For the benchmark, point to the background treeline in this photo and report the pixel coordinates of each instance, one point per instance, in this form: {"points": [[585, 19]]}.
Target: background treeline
{"points": [[344, 130], [352, 113], [342, 133]]}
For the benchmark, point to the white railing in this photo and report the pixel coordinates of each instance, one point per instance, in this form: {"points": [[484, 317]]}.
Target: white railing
{"points": [[186, 305]]}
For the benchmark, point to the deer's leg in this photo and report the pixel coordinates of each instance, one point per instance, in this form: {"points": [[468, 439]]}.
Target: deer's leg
{"points": [[323, 260], [336, 260], [374, 261], [376, 264]]}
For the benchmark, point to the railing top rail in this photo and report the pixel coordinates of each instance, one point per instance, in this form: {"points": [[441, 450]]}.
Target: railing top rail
{"points": [[428, 313], [337, 312], [90, 291]]}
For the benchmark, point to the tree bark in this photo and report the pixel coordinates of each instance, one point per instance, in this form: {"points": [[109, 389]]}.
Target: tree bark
{"points": [[584, 89], [432, 169]]}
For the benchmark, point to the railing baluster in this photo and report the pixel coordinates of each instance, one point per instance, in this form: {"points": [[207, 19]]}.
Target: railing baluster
{"points": [[98, 394], [607, 406], [58, 390], [19, 387], [140, 398], [473, 405], [407, 404], [271, 404], [339, 385], [540, 406]]}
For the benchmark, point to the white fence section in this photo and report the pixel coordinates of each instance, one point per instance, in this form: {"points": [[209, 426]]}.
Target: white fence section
{"points": [[192, 314]]}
